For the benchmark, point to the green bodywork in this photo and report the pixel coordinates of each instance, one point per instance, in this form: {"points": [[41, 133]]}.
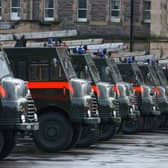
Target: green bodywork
{"points": [[53, 82], [146, 98], [86, 69]]}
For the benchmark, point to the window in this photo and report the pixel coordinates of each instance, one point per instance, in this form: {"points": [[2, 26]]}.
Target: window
{"points": [[15, 9], [39, 72], [147, 11], [49, 10], [82, 11], [0, 9], [115, 10]]}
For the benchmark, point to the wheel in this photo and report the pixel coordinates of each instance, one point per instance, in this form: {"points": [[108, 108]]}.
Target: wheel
{"points": [[107, 131], [76, 136], [156, 120], [89, 136], [7, 139], [140, 123], [149, 123], [129, 126], [163, 121], [55, 132]]}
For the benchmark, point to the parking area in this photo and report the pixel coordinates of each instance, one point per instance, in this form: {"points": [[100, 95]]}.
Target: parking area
{"points": [[143, 150]]}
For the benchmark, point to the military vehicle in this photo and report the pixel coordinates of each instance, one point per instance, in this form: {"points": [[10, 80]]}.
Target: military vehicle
{"points": [[17, 109], [108, 105], [66, 107], [163, 96], [128, 106], [151, 79], [146, 97]]}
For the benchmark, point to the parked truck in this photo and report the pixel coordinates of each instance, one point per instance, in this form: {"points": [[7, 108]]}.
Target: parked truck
{"points": [[161, 89], [17, 109], [128, 106], [146, 96], [108, 104], [67, 109]]}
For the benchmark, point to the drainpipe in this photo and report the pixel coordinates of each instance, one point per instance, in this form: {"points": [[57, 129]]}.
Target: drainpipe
{"points": [[131, 25]]}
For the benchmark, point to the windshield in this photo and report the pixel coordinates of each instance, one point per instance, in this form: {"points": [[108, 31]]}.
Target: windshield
{"points": [[114, 71], [4, 67], [130, 73], [149, 75], [92, 67], [83, 72], [161, 76], [66, 63]]}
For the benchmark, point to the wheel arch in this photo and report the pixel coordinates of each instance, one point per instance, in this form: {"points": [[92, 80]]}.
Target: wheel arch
{"points": [[54, 109]]}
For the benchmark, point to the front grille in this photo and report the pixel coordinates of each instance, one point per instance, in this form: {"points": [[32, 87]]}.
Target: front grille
{"points": [[31, 109], [155, 101], [94, 105], [116, 107], [136, 100]]}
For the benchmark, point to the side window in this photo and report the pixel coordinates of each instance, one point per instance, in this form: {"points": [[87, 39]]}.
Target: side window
{"points": [[21, 70], [57, 72], [39, 72]]}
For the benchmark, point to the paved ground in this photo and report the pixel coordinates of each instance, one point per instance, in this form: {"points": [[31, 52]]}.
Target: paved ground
{"points": [[144, 150]]}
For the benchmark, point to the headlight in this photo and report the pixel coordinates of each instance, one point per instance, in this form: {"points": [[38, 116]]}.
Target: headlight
{"points": [[35, 117], [23, 118], [154, 108], [114, 113], [89, 113]]}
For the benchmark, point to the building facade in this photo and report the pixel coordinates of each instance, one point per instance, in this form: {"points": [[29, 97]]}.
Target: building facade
{"points": [[159, 18], [103, 18]]}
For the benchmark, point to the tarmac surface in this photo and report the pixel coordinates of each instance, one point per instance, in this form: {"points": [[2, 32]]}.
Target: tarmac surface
{"points": [[143, 150]]}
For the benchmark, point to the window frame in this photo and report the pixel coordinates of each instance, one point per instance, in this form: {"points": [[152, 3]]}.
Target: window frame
{"points": [[49, 18], [86, 9], [37, 66], [19, 10], [147, 10], [113, 18]]}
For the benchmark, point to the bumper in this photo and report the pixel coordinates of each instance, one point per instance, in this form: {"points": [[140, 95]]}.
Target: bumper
{"points": [[91, 120], [28, 127], [116, 121], [163, 108]]}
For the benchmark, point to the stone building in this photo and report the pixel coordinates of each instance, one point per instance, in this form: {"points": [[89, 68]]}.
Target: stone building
{"points": [[103, 18], [159, 27]]}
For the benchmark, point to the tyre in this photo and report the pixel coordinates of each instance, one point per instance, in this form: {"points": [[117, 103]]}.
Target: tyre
{"points": [[129, 126], [140, 123], [55, 132], [107, 131], [76, 136], [89, 136], [7, 139]]}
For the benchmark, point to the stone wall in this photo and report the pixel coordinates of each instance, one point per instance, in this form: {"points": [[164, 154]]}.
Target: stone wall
{"points": [[98, 24]]}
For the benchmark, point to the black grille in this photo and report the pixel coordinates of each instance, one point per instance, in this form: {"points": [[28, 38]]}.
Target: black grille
{"points": [[136, 100], [94, 105], [31, 110], [116, 107], [155, 100]]}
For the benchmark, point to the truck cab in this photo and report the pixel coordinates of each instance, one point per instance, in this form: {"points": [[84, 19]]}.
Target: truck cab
{"points": [[145, 95], [68, 113], [128, 107], [108, 104], [17, 109]]}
